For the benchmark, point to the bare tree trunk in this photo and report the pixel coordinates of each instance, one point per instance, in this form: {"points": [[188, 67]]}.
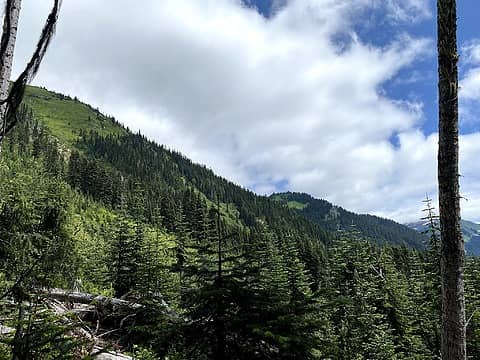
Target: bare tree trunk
{"points": [[11, 99], [9, 36], [452, 248]]}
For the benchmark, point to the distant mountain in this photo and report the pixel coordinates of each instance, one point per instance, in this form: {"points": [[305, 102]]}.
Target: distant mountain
{"points": [[333, 218], [471, 235]]}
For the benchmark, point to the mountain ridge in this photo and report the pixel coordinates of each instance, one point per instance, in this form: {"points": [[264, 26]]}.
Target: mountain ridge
{"points": [[109, 164], [334, 218]]}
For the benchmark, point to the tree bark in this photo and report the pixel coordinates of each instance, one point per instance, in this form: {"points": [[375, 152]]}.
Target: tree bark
{"points": [[9, 37], [452, 246]]}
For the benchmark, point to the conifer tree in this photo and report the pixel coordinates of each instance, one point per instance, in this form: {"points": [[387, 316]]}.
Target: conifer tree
{"points": [[472, 298], [432, 279], [124, 259], [354, 293], [126, 251]]}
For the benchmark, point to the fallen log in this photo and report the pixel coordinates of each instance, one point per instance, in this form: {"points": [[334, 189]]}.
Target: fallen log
{"points": [[100, 354], [5, 330], [85, 298], [99, 300]]}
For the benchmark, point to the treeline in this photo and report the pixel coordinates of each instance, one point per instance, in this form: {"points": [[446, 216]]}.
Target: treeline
{"points": [[210, 286]]}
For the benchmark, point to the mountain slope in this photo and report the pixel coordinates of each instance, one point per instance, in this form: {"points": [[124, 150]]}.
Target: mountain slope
{"points": [[334, 218], [98, 137], [114, 167], [471, 235], [108, 159]]}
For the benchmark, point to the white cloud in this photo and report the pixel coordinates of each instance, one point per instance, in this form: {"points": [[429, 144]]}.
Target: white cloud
{"points": [[470, 85], [471, 52], [408, 10], [470, 82], [259, 101]]}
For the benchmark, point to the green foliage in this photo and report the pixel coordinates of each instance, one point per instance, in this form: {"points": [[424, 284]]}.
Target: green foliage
{"points": [[5, 353], [108, 163], [296, 205], [34, 209], [250, 299], [125, 258], [379, 311], [140, 353], [44, 336]]}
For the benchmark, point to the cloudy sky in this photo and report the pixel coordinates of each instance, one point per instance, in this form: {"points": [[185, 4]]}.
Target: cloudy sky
{"points": [[336, 98]]}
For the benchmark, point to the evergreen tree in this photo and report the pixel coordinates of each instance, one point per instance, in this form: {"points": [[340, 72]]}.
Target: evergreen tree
{"points": [[359, 324], [125, 255]]}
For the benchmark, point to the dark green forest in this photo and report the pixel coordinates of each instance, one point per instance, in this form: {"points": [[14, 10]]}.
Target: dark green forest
{"points": [[182, 264]]}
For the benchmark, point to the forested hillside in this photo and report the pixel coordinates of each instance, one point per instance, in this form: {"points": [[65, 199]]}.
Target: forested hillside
{"points": [[333, 218], [112, 166], [201, 268]]}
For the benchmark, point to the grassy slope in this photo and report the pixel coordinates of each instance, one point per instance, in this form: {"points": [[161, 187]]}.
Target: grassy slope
{"points": [[65, 117], [292, 204], [296, 205]]}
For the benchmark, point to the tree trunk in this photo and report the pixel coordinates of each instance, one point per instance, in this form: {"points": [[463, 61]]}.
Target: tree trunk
{"points": [[452, 248], [9, 36]]}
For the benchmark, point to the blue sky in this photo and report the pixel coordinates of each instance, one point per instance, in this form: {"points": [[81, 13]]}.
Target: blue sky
{"points": [[336, 98]]}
